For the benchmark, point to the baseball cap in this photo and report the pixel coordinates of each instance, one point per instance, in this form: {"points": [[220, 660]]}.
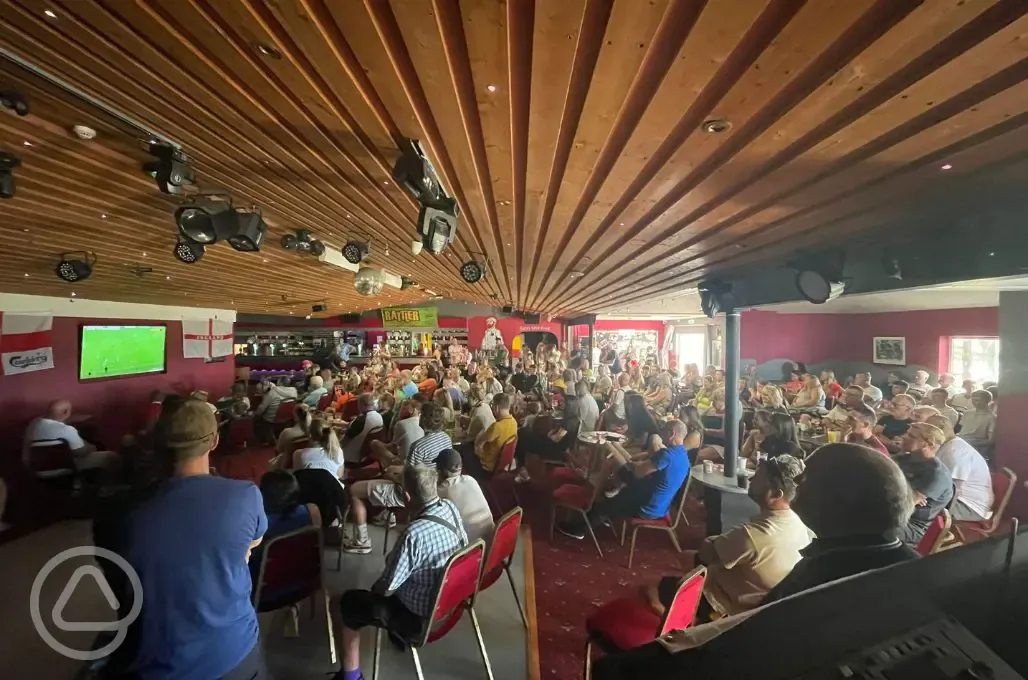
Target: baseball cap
{"points": [[192, 430]]}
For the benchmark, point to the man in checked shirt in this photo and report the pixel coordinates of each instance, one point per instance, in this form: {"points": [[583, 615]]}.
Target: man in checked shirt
{"points": [[402, 598]]}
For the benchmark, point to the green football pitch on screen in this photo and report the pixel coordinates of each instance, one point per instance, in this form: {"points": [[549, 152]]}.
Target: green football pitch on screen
{"points": [[111, 351]]}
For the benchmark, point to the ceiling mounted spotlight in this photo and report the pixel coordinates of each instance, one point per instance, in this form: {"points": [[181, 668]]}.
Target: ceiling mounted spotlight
{"points": [[268, 51], [438, 225], [406, 283], [318, 308], [716, 126], [249, 232], [171, 170], [73, 269], [8, 162], [473, 271], [437, 220], [188, 251], [356, 252], [206, 220], [817, 287], [302, 242], [716, 296]]}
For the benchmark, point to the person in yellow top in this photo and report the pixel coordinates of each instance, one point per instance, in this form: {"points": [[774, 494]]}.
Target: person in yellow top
{"points": [[489, 443]]}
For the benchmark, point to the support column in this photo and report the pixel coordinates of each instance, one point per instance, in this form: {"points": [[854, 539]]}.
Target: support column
{"points": [[592, 346], [732, 411], [1011, 424]]}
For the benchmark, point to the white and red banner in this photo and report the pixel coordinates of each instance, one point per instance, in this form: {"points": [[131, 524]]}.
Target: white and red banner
{"points": [[25, 342], [206, 338]]}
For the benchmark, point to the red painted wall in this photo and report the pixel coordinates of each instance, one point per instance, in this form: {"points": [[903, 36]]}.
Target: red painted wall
{"points": [[114, 403], [816, 338]]}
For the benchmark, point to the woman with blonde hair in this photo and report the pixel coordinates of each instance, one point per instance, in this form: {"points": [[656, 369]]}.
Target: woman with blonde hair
{"points": [[772, 399], [326, 452], [635, 378], [603, 385], [704, 398], [300, 429], [812, 395], [659, 398]]}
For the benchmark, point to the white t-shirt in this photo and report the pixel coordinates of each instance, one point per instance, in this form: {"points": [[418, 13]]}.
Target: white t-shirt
{"points": [[481, 418], [588, 411], [972, 472], [873, 392], [316, 459], [43, 429], [950, 413], [962, 402], [617, 402], [405, 433], [466, 494], [976, 428], [352, 447], [838, 415]]}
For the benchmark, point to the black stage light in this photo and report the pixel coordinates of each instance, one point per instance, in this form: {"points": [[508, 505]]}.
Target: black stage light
{"points": [[415, 174], [206, 222], [74, 269], [289, 241], [8, 162], [249, 233], [438, 225], [817, 287], [188, 251], [318, 308], [406, 283], [317, 248], [171, 170], [472, 271], [356, 252], [9, 99]]}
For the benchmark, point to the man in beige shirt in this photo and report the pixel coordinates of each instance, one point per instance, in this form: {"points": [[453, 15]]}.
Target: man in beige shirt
{"points": [[746, 562]]}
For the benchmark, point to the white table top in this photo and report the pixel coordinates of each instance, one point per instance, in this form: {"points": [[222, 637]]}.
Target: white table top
{"points": [[717, 479], [600, 436]]}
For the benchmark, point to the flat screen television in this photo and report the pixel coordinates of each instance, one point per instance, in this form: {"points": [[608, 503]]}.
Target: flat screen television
{"points": [[114, 351]]}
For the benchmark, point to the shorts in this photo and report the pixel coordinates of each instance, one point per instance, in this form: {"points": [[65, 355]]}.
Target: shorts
{"points": [[363, 608], [380, 492]]}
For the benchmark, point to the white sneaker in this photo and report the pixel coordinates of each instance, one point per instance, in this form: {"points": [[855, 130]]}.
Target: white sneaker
{"points": [[522, 477], [385, 518], [610, 493], [357, 547]]}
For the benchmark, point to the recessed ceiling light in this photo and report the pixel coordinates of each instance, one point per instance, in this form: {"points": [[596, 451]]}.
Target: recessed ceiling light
{"points": [[25, 230], [26, 275], [73, 293], [947, 167], [491, 88], [716, 126], [144, 253], [49, 13], [385, 182], [167, 278], [103, 216], [268, 51], [265, 260], [27, 143], [576, 274]]}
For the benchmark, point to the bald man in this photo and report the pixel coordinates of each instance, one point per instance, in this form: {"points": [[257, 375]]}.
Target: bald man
{"points": [[856, 501], [53, 429], [651, 484]]}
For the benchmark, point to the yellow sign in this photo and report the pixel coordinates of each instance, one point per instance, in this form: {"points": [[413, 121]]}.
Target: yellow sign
{"points": [[406, 317]]}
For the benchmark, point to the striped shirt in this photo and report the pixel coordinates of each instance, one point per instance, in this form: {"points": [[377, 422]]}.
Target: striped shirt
{"points": [[425, 450]]}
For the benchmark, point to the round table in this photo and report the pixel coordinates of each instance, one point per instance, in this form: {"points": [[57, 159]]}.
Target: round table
{"points": [[599, 437], [722, 497]]}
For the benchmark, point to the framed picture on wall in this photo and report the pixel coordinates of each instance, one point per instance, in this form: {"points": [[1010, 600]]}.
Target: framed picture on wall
{"points": [[890, 351]]}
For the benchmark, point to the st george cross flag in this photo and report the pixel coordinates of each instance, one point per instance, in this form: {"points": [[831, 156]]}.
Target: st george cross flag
{"points": [[25, 343], [206, 338]]}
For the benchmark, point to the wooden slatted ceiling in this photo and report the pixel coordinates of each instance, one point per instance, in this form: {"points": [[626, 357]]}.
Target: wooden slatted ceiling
{"points": [[570, 131]]}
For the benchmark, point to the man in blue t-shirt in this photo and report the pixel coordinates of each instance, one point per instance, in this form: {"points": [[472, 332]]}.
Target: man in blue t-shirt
{"points": [[651, 483], [190, 544]]}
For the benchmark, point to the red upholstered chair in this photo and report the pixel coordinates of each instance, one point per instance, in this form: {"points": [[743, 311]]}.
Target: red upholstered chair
{"points": [[350, 410], [325, 401], [1003, 483], [628, 622], [935, 537], [668, 524], [501, 552], [367, 467], [579, 499], [457, 591], [291, 571], [238, 434], [50, 459], [501, 473]]}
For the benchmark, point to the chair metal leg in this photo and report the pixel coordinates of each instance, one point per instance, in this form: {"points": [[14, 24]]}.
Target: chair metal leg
{"points": [[417, 663], [378, 653], [587, 673], [517, 600], [553, 520], [592, 534], [331, 630], [674, 539], [624, 532], [481, 643], [385, 539], [631, 551]]}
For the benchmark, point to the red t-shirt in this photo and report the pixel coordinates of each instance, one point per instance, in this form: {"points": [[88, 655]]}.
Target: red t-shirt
{"points": [[834, 390], [872, 442]]}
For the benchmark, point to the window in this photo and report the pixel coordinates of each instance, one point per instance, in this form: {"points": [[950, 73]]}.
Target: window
{"points": [[974, 359]]}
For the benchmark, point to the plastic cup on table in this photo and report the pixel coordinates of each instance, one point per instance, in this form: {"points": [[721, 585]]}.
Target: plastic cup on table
{"points": [[708, 467], [833, 436]]}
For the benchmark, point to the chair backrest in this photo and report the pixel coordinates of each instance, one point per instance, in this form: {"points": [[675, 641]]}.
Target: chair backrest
{"points": [[321, 488], [284, 414], [682, 611], [290, 563], [377, 434], [1003, 483], [935, 535], [679, 506], [505, 542], [457, 587], [239, 434], [506, 457], [50, 456], [325, 401], [350, 410]]}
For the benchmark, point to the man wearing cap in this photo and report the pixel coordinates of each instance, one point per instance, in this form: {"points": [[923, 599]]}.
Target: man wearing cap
{"points": [[492, 339], [190, 545]]}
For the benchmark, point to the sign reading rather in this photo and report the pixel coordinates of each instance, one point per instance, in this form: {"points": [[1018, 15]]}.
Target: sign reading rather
{"points": [[406, 317]]}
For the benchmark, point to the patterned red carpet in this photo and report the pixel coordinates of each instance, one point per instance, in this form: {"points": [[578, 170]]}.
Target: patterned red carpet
{"points": [[571, 580]]}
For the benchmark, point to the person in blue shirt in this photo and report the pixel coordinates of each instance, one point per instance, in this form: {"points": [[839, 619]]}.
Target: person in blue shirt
{"points": [[651, 483], [190, 544]]}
